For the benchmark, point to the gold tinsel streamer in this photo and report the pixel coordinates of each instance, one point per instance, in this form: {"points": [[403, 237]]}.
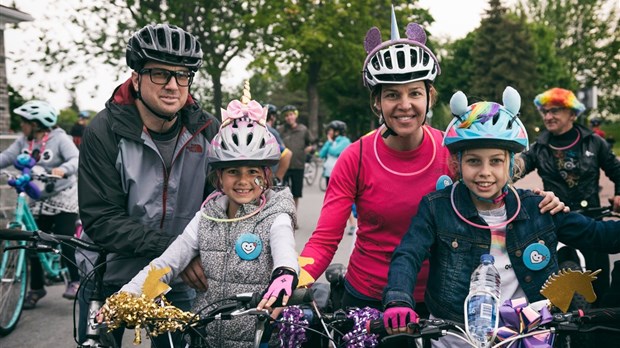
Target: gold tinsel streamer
{"points": [[141, 312]]}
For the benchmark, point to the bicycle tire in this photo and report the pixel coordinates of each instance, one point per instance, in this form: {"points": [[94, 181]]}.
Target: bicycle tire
{"points": [[13, 285], [311, 171]]}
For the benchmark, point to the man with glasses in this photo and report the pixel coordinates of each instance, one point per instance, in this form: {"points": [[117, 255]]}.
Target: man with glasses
{"points": [[568, 158], [143, 165]]}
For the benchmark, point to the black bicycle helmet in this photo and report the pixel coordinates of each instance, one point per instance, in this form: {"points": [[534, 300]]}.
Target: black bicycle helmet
{"points": [[288, 108], [337, 125], [595, 121], [163, 43], [271, 109]]}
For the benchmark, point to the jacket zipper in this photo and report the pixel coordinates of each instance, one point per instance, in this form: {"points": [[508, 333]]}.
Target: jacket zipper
{"points": [[167, 174]]}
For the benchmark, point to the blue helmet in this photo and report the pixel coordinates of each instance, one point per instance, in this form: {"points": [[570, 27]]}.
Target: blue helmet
{"points": [[486, 124]]}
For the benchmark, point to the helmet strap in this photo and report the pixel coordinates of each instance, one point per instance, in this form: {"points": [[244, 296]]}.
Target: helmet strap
{"points": [[388, 131], [427, 87], [159, 115]]}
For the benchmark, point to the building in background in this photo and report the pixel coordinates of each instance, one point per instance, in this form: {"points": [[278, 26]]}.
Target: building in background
{"points": [[7, 15]]}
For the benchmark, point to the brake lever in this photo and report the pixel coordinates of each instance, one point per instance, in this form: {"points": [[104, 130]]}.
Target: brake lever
{"points": [[250, 311]]}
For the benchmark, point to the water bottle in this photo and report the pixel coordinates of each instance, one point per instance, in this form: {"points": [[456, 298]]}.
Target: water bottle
{"points": [[482, 303]]}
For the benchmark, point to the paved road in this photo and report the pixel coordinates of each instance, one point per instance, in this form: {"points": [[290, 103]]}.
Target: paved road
{"points": [[50, 324]]}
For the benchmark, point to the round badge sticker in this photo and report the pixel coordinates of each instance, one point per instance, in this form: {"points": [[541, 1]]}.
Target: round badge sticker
{"points": [[248, 246], [536, 256]]}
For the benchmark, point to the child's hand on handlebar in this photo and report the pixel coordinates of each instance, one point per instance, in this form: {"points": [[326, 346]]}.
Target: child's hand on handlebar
{"points": [[59, 172], [396, 318], [283, 282]]}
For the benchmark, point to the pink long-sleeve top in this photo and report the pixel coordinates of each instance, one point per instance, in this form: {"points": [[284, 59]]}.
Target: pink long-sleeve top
{"points": [[385, 201]]}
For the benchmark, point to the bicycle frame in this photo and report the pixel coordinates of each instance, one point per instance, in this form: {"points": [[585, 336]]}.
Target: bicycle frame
{"points": [[14, 269], [25, 220]]}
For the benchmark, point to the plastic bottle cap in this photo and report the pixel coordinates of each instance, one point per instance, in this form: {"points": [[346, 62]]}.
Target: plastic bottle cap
{"points": [[487, 258]]}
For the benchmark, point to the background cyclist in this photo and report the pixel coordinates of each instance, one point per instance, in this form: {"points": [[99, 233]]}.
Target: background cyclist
{"points": [[77, 131], [336, 142], [569, 157], [279, 170], [52, 149], [296, 137]]}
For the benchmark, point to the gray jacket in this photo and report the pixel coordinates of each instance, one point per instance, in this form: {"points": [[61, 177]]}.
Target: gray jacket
{"points": [[59, 152], [129, 204]]}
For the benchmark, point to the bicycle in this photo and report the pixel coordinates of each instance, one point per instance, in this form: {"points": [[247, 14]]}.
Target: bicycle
{"points": [[571, 258], [311, 169], [14, 261], [41, 242], [558, 324], [235, 306]]}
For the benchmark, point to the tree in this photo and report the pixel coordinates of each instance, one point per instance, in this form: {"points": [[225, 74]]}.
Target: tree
{"points": [[587, 36], [503, 55], [322, 43], [225, 29], [15, 100]]}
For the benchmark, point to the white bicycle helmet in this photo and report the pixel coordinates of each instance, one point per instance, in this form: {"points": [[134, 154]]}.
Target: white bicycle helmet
{"points": [[398, 61], [166, 44], [243, 138], [37, 110]]}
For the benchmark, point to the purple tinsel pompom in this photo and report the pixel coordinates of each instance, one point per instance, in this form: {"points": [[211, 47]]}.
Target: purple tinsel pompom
{"points": [[358, 336], [373, 39], [292, 332], [416, 33]]}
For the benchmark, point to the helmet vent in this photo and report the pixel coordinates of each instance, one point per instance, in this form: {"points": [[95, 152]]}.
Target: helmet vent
{"points": [[388, 61], [414, 56], [161, 37], [235, 139], [425, 59], [400, 58], [175, 40], [249, 139], [146, 37]]}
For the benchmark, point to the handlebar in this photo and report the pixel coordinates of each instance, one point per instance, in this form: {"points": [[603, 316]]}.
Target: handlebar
{"points": [[41, 240], [561, 323], [597, 212], [43, 177]]}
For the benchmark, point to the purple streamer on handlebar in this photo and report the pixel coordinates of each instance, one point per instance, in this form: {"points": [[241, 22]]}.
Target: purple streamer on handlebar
{"points": [[359, 337], [292, 332], [517, 317]]}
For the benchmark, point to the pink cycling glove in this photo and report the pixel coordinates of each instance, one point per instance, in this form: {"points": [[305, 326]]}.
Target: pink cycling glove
{"points": [[395, 317], [283, 281]]}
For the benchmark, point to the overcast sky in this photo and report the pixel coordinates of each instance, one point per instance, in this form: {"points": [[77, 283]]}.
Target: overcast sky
{"points": [[453, 19]]}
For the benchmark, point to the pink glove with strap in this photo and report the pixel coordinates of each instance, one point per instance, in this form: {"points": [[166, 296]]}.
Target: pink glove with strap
{"points": [[395, 317], [283, 282], [278, 285]]}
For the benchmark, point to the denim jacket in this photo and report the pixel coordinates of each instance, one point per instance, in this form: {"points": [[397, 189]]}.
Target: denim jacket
{"points": [[454, 247]]}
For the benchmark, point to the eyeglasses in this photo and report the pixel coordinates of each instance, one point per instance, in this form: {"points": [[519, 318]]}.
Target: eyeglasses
{"points": [[553, 111], [163, 76]]}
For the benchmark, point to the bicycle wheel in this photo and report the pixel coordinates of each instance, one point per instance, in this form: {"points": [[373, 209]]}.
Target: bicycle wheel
{"points": [[13, 283], [323, 183], [311, 171]]}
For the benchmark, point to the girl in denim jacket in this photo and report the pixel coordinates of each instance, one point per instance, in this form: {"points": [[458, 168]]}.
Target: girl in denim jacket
{"points": [[483, 213]]}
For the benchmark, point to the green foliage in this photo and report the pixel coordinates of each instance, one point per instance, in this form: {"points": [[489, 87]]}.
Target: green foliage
{"points": [[15, 101], [587, 37], [67, 118]]}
